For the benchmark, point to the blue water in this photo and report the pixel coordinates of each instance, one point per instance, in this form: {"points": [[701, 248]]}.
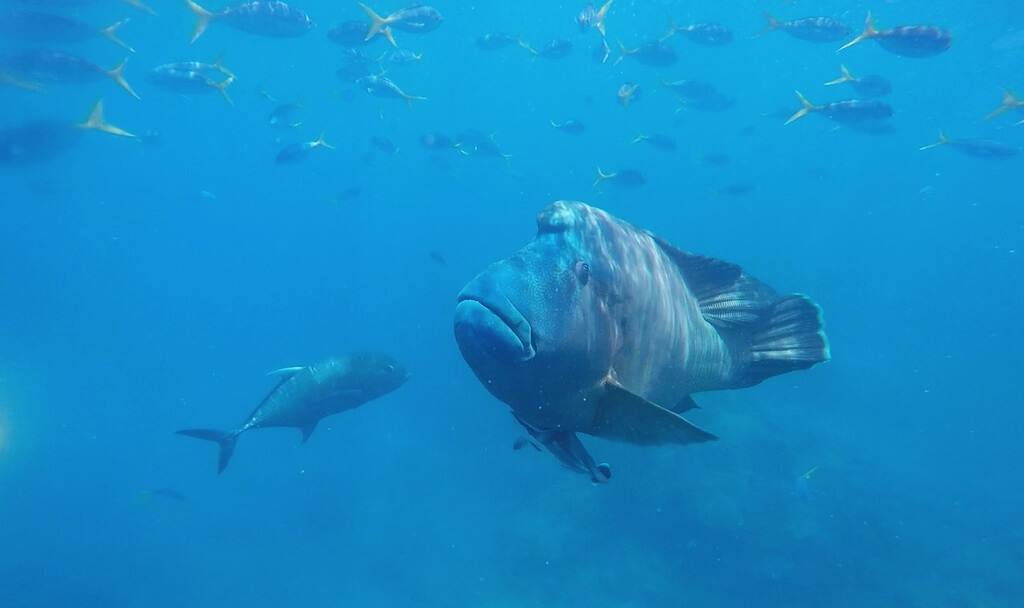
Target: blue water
{"points": [[149, 287]]}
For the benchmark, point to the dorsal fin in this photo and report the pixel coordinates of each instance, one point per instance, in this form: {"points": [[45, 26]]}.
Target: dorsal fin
{"points": [[286, 372], [727, 297]]}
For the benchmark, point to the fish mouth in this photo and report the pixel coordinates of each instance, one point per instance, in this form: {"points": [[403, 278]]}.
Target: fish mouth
{"points": [[494, 327]]}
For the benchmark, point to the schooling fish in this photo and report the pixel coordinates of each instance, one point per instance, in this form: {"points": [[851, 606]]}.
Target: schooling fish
{"points": [[493, 42], [811, 29], [654, 53], [192, 78], [700, 95], [623, 178], [43, 140], [656, 141], [572, 127], [474, 142], [590, 17], [306, 395], [628, 93], [299, 151], [436, 140], [906, 40], [382, 86], [1010, 102], [357, 66], [270, 18], [415, 19], [403, 57], [78, 4], [978, 148], [849, 112], [47, 67], [349, 34], [865, 86], [48, 29], [598, 327], [707, 34], [285, 115], [553, 49]]}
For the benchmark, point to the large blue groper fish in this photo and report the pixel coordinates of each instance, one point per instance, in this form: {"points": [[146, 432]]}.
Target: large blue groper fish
{"points": [[601, 328]]}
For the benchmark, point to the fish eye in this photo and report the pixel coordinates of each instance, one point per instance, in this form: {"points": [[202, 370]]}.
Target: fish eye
{"points": [[582, 272]]}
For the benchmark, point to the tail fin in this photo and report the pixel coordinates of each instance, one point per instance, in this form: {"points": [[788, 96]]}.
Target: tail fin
{"points": [[222, 88], [943, 140], [110, 33], [807, 108], [97, 123], [526, 45], [117, 74], [601, 14], [411, 98], [869, 32], [771, 24], [226, 441], [791, 336], [1010, 102], [320, 142], [673, 28], [142, 6], [602, 176], [845, 76], [203, 18], [378, 25], [623, 52]]}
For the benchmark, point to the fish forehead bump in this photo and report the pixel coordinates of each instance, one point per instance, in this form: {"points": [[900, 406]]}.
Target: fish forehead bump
{"points": [[570, 215]]}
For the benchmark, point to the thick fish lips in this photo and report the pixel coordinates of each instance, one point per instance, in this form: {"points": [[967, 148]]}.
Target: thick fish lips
{"points": [[493, 327]]}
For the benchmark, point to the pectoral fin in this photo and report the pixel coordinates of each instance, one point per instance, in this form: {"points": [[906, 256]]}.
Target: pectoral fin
{"points": [[307, 430], [623, 416]]}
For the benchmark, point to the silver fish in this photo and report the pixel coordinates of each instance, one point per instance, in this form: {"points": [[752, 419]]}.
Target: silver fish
{"points": [[306, 395]]}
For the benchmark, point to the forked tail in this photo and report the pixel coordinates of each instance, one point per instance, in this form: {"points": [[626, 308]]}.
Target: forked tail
{"points": [[225, 439]]}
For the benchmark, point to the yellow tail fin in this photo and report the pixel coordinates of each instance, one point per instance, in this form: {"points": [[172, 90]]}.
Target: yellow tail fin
{"points": [[601, 14], [95, 122], [673, 27], [623, 52], [118, 75], [378, 24], [771, 25], [526, 45], [602, 176], [142, 6], [222, 88], [845, 76], [110, 33], [320, 142], [943, 140], [869, 32], [203, 18], [1010, 102], [807, 108]]}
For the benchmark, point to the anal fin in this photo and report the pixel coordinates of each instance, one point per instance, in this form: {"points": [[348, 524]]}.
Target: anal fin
{"points": [[623, 416], [307, 430]]}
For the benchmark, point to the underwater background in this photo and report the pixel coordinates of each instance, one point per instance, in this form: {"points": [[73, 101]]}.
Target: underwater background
{"points": [[149, 286]]}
